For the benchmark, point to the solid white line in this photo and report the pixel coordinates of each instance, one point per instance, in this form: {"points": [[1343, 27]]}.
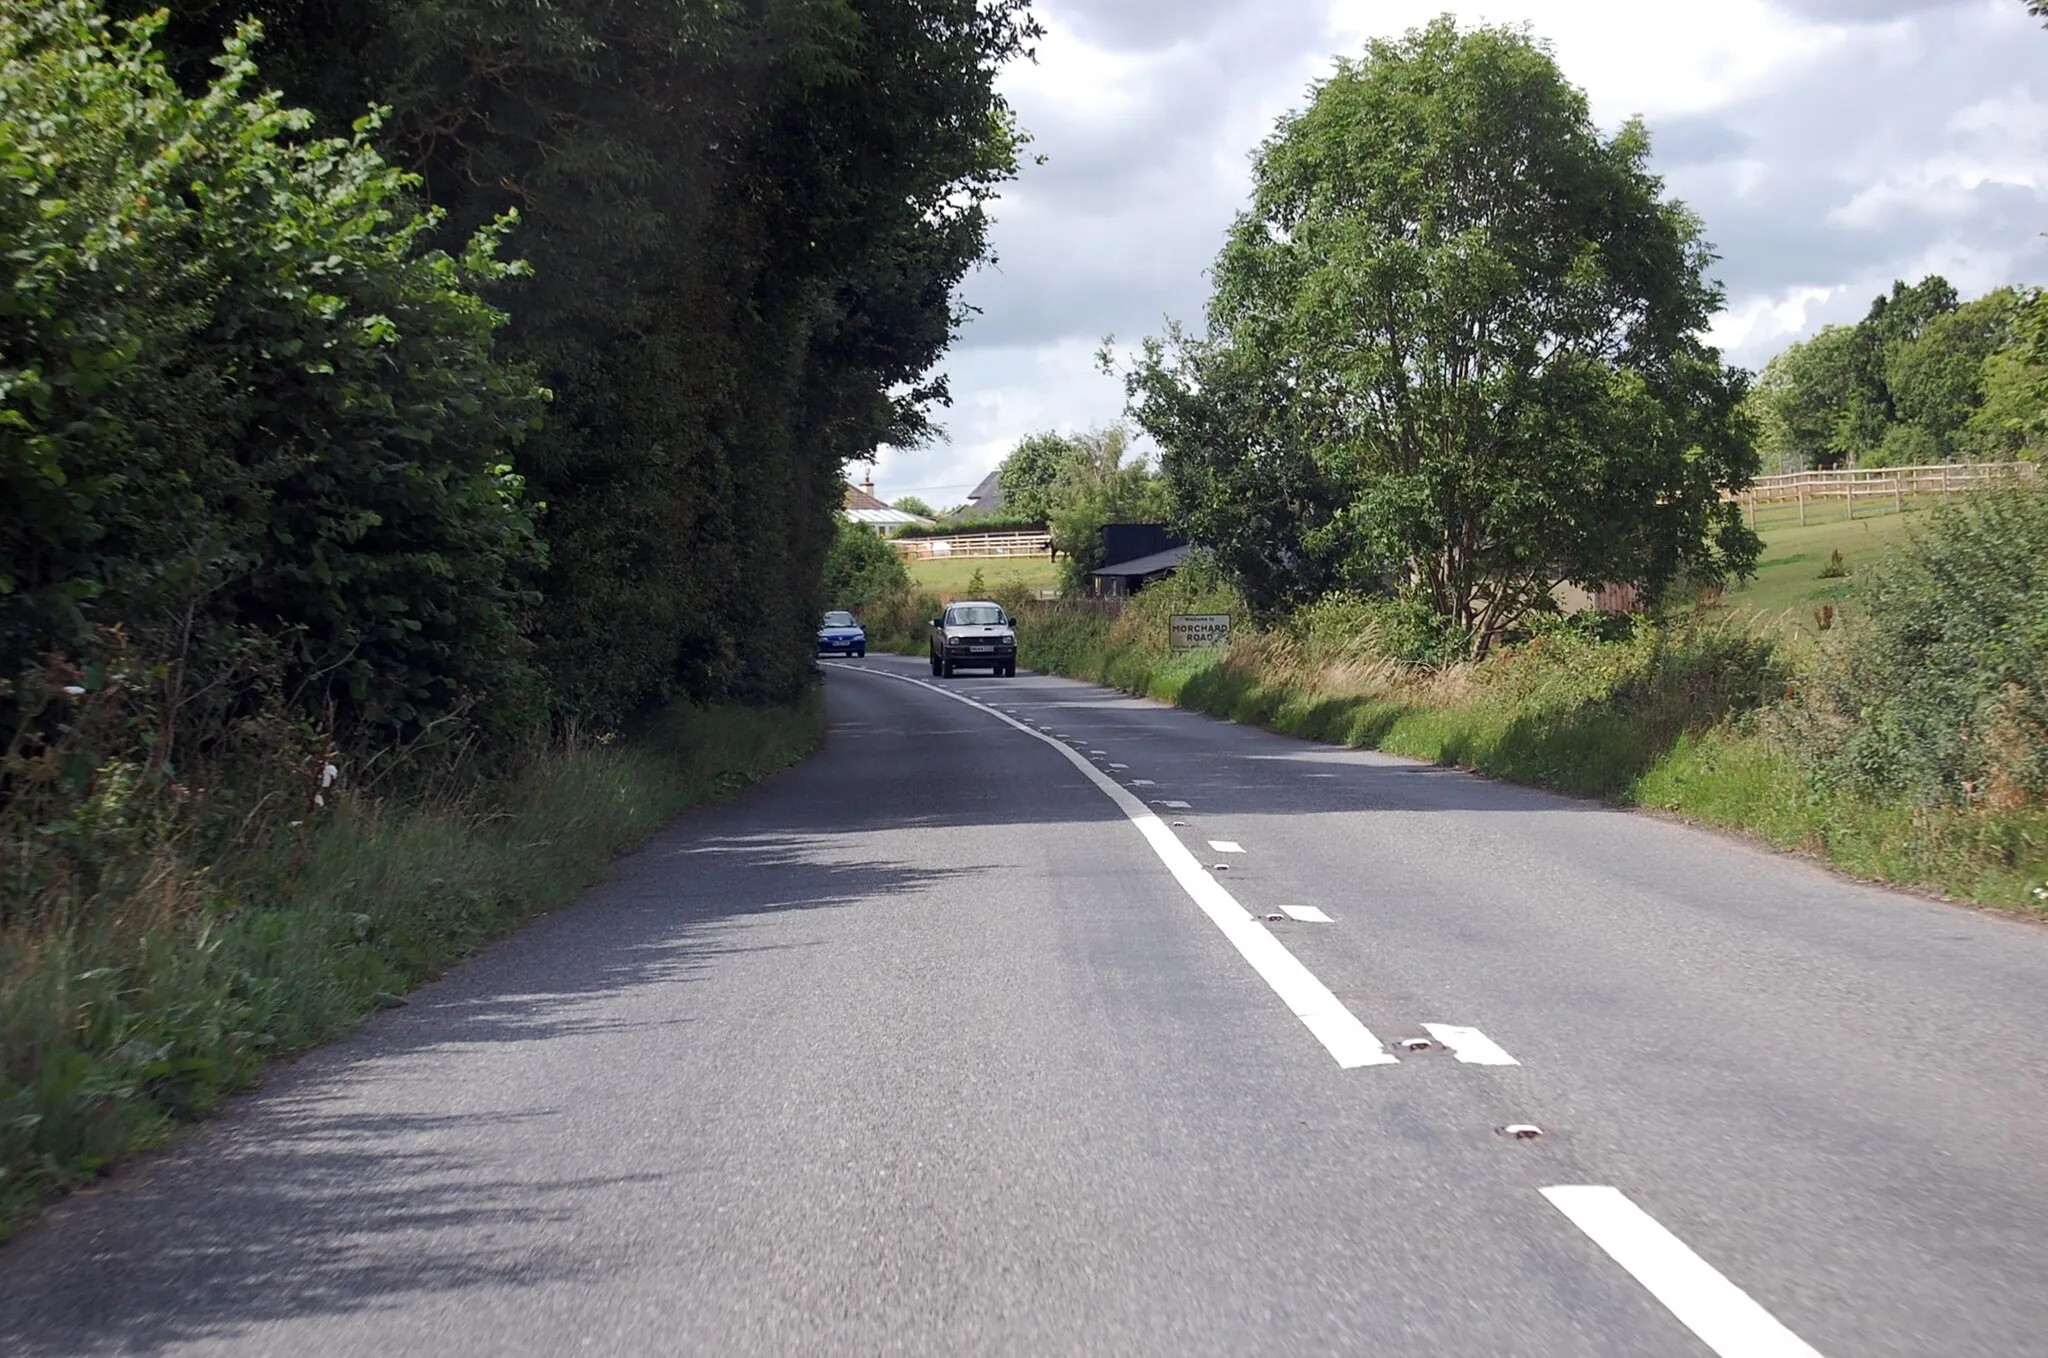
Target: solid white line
{"points": [[1320, 1011], [1470, 1045], [1720, 1313], [1307, 914], [1226, 846]]}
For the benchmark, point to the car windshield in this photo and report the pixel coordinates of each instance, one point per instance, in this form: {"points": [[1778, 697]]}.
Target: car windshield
{"points": [[837, 618], [976, 615]]}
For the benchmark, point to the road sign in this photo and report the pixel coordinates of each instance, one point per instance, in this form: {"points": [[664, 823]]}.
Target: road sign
{"points": [[1197, 631]]}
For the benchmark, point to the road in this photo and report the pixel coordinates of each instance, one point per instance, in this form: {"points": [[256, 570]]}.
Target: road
{"points": [[972, 1035]]}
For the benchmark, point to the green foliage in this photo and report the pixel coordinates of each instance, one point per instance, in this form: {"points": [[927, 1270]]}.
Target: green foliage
{"points": [[1942, 693], [1936, 379], [861, 566], [911, 504], [2011, 419], [1076, 484], [746, 224], [275, 440], [1814, 399], [953, 526], [898, 620], [244, 402], [1923, 378], [1455, 345], [1099, 484], [1030, 474]]}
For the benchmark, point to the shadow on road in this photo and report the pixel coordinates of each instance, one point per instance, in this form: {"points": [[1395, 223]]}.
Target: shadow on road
{"points": [[297, 1202]]}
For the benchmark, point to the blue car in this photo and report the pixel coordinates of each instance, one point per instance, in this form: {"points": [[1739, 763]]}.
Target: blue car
{"points": [[839, 634]]}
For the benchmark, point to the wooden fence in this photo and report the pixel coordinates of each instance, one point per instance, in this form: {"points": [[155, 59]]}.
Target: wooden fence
{"points": [[1035, 542], [1817, 496]]}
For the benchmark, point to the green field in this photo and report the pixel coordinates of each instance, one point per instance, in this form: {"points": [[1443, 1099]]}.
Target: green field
{"points": [[1788, 585], [949, 577]]}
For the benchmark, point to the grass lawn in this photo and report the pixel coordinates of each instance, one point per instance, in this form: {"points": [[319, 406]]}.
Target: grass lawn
{"points": [[1788, 588], [949, 577]]}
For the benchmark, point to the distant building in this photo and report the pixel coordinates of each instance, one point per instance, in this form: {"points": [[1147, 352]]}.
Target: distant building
{"points": [[1135, 555], [985, 499], [862, 507]]}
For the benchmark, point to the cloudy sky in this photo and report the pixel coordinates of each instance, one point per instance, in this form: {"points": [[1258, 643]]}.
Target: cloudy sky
{"points": [[1830, 145]]}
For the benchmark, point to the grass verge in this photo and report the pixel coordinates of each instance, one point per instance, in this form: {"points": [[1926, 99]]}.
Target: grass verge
{"points": [[1685, 719], [140, 1014]]}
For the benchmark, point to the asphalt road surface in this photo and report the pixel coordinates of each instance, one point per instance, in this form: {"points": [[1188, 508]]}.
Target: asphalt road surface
{"points": [[1027, 1018]]}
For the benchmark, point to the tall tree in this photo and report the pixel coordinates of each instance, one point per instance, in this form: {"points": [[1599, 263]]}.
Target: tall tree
{"points": [[1455, 346], [746, 224], [1030, 475]]}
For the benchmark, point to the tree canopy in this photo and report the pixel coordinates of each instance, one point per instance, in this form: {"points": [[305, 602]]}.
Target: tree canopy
{"points": [[741, 228], [253, 418], [1924, 377], [1455, 349], [1077, 483]]}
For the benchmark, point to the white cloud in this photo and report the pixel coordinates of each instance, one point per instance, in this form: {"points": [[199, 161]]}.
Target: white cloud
{"points": [[1830, 145]]}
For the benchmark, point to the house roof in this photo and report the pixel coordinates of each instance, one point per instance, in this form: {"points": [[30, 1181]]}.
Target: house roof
{"points": [[884, 517], [861, 506], [1145, 565], [988, 496]]}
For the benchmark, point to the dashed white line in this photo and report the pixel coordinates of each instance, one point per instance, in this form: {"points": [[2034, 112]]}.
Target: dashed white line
{"points": [[1470, 1045], [1119, 766], [1178, 806], [1143, 782], [1226, 846], [1307, 914], [1320, 1011], [1726, 1319]]}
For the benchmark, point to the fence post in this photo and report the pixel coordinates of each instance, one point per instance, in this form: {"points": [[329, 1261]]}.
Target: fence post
{"points": [[1802, 504], [1898, 492]]}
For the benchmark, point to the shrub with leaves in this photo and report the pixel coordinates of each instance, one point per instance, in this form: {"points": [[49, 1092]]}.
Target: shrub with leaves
{"points": [[861, 567], [240, 396], [1941, 690]]}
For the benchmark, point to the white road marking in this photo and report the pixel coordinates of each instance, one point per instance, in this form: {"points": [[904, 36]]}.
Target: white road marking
{"points": [[1119, 766], [1725, 1318], [1470, 1045], [1143, 782], [1320, 1011], [1226, 846], [1178, 806], [1307, 914], [1103, 753]]}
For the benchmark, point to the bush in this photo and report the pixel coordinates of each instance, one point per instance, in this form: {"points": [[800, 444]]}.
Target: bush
{"points": [[896, 620], [246, 405], [861, 566], [1939, 691]]}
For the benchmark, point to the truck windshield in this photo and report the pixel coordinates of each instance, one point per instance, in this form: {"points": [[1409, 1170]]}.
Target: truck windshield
{"points": [[981, 615]]}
